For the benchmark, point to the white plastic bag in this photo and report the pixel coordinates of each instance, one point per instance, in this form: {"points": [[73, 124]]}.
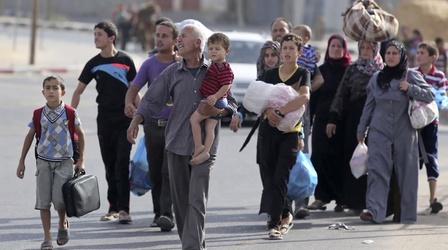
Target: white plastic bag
{"points": [[422, 114], [359, 161], [281, 95], [257, 96], [260, 95]]}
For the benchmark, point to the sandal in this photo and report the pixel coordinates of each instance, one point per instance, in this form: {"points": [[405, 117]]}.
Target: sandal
{"points": [[275, 234], [436, 207], [317, 205], [284, 229], [63, 235], [286, 224], [366, 215], [46, 245]]}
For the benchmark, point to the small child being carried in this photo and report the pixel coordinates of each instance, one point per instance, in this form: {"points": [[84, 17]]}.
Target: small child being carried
{"points": [[214, 89]]}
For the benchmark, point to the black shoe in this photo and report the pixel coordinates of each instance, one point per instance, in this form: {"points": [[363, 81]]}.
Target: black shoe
{"points": [[436, 206], [154, 222], [301, 213], [339, 208], [165, 223], [396, 219], [317, 205]]}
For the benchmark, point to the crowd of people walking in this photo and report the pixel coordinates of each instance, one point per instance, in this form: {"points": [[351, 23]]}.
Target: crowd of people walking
{"points": [[346, 103]]}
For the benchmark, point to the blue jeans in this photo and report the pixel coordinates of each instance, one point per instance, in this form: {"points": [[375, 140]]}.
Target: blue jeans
{"points": [[221, 103], [429, 137]]}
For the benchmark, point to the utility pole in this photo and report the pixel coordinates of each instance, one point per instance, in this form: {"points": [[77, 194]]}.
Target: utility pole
{"points": [[33, 31], [240, 13], [16, 24]]}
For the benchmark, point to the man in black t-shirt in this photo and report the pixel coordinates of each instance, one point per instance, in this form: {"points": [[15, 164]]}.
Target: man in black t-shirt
{"points": [[113, 70]]}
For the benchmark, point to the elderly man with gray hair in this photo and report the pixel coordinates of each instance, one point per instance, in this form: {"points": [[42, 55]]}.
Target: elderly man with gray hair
{"points": [[179, 84]]}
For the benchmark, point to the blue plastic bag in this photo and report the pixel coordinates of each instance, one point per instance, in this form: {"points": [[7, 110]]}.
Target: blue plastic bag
{"points": [[302, 179], [441, 98], [139, 170]]}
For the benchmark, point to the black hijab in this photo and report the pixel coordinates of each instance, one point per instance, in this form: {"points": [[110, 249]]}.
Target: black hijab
{"points": [[397, 72]]}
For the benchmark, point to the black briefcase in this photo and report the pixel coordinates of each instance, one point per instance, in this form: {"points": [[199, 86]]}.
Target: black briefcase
{"points": [[81, 194]]}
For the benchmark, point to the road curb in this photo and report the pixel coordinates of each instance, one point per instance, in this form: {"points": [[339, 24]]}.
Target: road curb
{"points": [[38, 70]]}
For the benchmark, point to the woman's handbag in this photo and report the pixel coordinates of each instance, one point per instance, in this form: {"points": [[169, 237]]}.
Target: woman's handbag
{"points": [[421, 113], [358, 161], [365, 20]]}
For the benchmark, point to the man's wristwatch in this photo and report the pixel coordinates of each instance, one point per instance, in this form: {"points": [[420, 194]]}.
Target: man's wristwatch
{"points": [[279, 113]]}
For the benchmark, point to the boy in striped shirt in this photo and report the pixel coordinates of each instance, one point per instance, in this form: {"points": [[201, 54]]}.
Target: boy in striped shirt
{"points": [[214, 89], [426, 57]]}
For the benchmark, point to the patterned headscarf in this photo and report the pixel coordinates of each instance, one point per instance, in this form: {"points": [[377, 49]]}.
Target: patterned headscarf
{"points": [[346, 58], [261, 67], [397, 72], [370, 66]]}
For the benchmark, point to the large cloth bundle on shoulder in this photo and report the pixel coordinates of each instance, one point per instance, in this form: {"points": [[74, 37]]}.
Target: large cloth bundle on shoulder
{"points": [[365, 20]]}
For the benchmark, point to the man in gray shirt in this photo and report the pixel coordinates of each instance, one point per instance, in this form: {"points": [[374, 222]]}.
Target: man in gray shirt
{"points": [[179, 84]]}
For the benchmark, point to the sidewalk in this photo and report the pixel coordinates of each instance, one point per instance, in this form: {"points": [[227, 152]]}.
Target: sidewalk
{"points": [[57, 51]]}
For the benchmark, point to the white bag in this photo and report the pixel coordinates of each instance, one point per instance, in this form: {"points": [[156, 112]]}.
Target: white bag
{"points": [[260, 95], [421, 113], [359, 160], [257, 96], [280, 96]]}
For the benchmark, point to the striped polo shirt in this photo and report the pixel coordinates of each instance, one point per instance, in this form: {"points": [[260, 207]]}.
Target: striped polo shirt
{"points": [[218, 75], [435, 78]]}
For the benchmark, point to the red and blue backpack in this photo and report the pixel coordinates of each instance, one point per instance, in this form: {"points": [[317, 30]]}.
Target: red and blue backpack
{"points": [[70, 112]]}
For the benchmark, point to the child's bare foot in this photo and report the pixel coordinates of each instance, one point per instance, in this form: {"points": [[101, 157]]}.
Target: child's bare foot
{"points": [[201, 158], [198, 150]]}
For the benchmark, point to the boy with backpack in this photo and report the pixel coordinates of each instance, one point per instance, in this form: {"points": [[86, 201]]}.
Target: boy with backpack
{"points": [[60, 144]]}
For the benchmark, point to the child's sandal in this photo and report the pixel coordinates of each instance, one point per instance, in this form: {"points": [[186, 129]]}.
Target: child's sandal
{"points": [[63, 235], [46, 245]]}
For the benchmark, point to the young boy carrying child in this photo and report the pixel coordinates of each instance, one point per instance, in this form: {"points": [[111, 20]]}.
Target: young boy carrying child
{"points": [[55, 156], [426, 57], [214, 89]]}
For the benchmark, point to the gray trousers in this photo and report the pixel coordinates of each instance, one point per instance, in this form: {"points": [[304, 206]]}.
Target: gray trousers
{"points": [[384, 155], [189, 192]]}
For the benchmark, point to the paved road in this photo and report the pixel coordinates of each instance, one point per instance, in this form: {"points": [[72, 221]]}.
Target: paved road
{"points": [[232, 220]]}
